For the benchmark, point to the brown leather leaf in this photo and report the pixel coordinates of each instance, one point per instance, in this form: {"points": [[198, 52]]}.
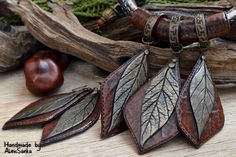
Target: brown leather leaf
{"points": [[199, 110], [75, 120], [150, 112], [116, 91], [46, 109]]}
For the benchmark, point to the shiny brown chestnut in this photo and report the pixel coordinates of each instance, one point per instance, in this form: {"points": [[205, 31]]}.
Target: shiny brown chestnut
{"points": [[60, 59], [42, 75]]}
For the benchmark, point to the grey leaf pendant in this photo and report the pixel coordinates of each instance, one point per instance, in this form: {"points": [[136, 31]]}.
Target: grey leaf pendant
{"points": [[150, 113], [159, 102], [73, 121], [199, 110], [46, 109], [202, 96], [118, 88]]}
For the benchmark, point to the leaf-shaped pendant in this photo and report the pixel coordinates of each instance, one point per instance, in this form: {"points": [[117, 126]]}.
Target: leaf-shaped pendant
{"points": [[199, 110], [46, 109], [117, 89], [150, 112], [75, 120]]}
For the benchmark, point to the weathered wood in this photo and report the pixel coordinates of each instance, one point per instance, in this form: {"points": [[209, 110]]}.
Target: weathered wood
{"points": [[4, 11], [16, 43], [62, 31], [220, 5], [233, 2]]}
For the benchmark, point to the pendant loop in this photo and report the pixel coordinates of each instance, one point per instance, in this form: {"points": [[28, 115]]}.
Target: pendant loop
{"points": [[174, 34], [201, 30], [147, 34]]}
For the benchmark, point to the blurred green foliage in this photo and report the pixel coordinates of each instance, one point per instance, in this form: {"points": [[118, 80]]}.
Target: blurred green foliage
{"points": [[87, 10]]}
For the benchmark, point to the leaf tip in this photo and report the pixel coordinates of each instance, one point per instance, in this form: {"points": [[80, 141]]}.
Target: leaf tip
{"points": [[44, 142], [7, 126], [4, 127]]}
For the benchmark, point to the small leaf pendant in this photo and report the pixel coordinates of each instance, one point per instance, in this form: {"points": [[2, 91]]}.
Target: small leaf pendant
{"points": [[150, 113], [46, 109], [75, 120], [199, 110], [117, 89]]}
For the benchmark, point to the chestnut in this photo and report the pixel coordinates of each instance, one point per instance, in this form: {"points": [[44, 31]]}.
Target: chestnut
{"points": [[42, 75], [60, 59]]}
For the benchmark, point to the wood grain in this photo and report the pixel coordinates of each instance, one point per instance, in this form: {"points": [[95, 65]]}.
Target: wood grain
{"points": [[14, 97]]}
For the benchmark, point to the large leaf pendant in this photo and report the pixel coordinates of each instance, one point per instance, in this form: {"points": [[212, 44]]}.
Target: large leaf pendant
{"points": [[199, 110], [117, 89], [150, 113]]}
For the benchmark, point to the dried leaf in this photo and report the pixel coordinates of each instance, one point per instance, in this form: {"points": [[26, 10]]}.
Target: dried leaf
{"points": [[70, 122], [134, 75], [46, 109], [202, 96], [159, 102]]}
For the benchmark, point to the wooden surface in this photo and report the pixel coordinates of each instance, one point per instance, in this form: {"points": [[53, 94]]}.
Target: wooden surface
{"points": [[14, 97]]}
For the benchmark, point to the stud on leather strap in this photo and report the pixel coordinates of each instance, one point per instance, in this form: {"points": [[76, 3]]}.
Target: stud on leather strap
{"points": [[151, 22], [174, 34], [201, 30]]}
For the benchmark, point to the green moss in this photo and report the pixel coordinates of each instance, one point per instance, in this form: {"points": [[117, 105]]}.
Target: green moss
{"points": [[13, 20], [87, 10], [178, 1]]}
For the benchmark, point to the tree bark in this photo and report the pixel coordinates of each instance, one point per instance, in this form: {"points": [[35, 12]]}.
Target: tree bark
{"points": [[62, 31]]}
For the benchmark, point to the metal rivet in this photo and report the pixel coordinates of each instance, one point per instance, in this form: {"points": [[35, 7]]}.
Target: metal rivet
{"points": [[146, 52], [172, 65], [174, 60]]}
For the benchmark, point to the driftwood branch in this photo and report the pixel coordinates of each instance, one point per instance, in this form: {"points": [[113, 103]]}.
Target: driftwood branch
{"points": [[4, 11], [16, 43], [62, 31]]}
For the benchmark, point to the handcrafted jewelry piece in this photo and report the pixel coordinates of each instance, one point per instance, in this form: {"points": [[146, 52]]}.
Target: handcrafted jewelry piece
{"points": [[155, 109], [199, 110], [217, 24], [150, 113], [63, 115], [118, 87], [46, 109], [75, 120]]}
